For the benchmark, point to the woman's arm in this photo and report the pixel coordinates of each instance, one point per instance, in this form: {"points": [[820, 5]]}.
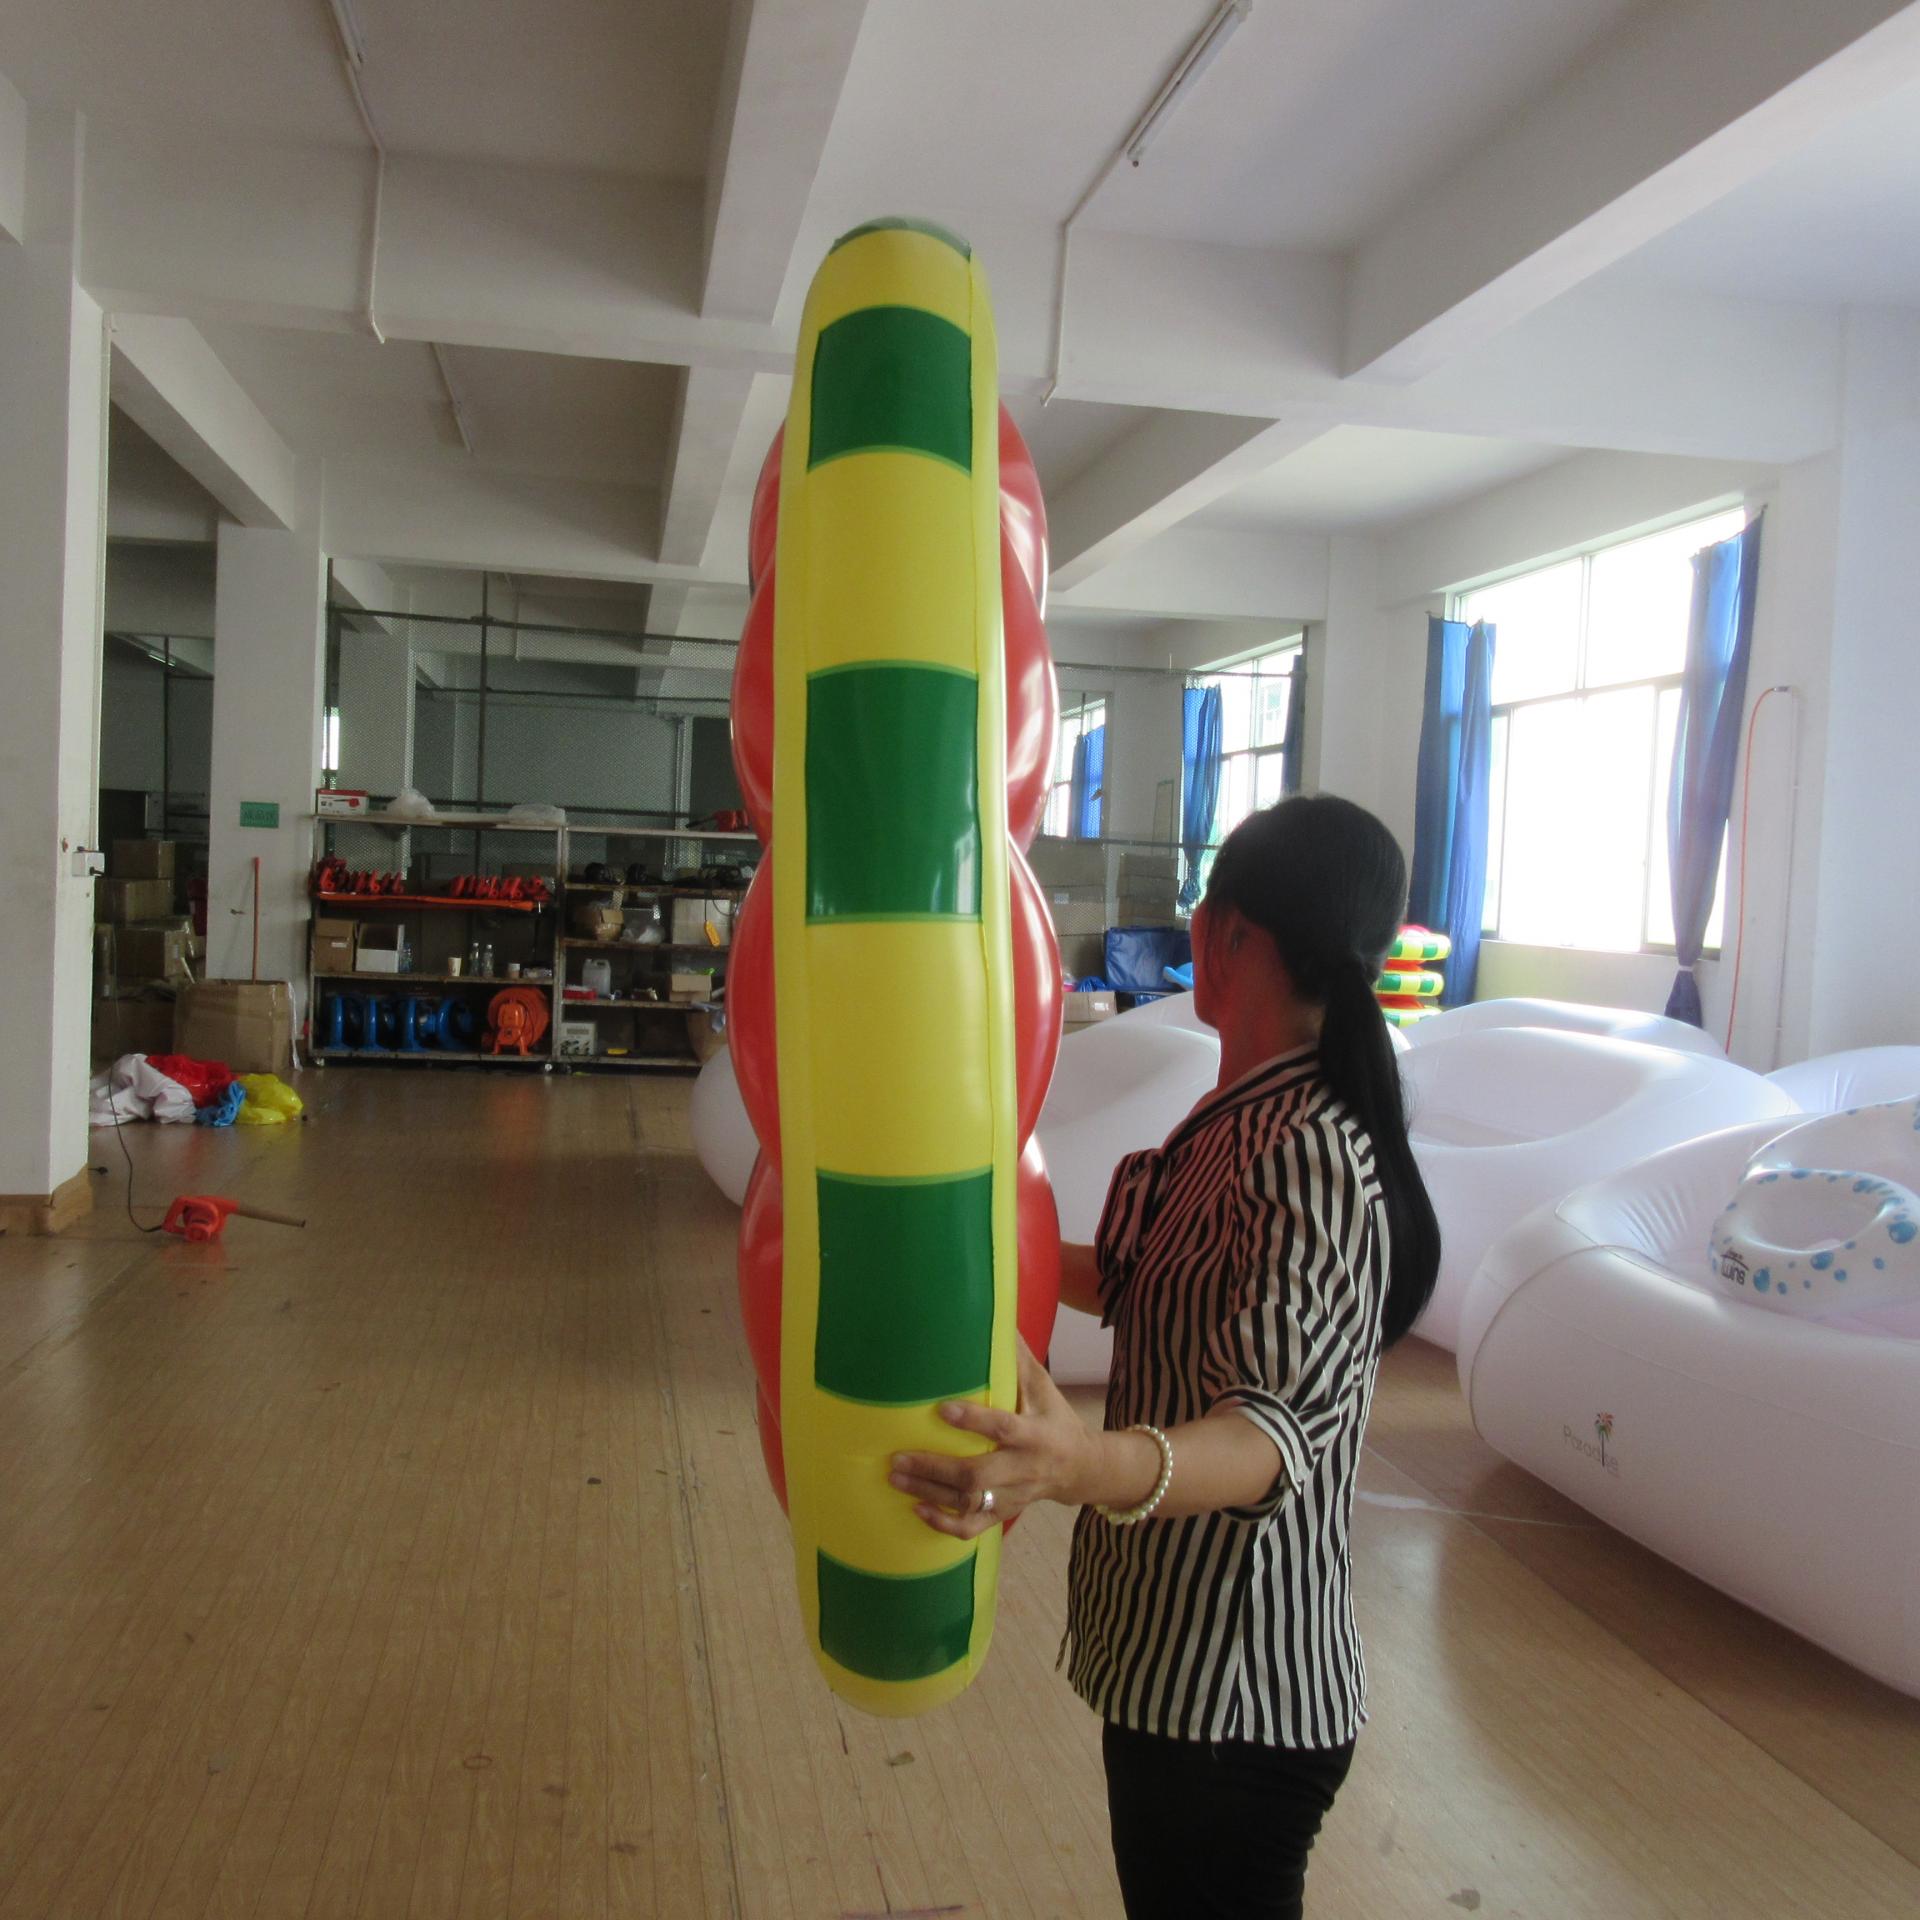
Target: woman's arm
{"points": [[1079, 1278], [1047, 1452]]}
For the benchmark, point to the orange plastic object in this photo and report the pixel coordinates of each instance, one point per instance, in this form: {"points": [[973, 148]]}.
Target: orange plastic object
{"points": [[199, 1217], [517, 1019]]}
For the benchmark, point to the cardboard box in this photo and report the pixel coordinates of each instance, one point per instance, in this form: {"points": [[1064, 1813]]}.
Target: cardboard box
{"points": [[1077, 916], [706, 1032], [333, 944], [1149, 866], [691, 918], [156, 951], [120, 902], [1083, 1009], [342, 800], [143, 859], [683, 988], [1083, 955], [1068, 863], [246, 1024], [137, 1025], [576, 1040], [379, 949]]}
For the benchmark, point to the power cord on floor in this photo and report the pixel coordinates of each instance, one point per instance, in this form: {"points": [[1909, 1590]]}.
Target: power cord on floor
{"points": [[113, 1107]]}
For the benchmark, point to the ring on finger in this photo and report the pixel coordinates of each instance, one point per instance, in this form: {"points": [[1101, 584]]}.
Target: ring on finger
{"points": [[986, 1500]]}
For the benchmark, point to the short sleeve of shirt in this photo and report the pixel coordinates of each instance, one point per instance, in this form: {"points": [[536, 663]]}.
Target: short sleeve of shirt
{"points": [[1116, 1247], [1292, 1348]]}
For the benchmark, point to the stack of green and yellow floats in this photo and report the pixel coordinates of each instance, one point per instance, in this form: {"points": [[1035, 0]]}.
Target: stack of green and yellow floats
{"points": [[1410, 983]]}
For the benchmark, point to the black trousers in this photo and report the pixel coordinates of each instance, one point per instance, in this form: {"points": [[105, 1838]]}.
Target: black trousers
{"points": [[1224, 1827]]}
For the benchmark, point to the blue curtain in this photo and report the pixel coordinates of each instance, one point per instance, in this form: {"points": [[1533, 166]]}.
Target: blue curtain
{"points": [[1706, 744], [1200, 754], [1085, 788], [1449, 889], [1293, 742]]}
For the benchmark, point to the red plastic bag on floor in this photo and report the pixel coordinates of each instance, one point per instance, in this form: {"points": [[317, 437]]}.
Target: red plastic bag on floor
{"points": [[205, 1080]]}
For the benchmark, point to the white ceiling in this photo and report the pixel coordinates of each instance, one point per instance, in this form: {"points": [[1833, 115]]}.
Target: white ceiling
{"points": [[1839, 222], [1299, 176], [1312, 121], [1368, 476], [624, 86], [344, 396]]}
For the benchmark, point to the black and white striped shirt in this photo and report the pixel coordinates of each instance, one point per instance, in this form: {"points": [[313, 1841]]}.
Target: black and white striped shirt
{"points": [[1243, 1264]]}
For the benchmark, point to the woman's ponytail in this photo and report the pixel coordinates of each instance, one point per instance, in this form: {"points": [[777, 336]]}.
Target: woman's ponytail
{"points": [[1328, 882]]}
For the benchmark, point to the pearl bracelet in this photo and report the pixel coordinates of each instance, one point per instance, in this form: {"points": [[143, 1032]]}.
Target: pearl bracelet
{"points": [[1133, 1515]]}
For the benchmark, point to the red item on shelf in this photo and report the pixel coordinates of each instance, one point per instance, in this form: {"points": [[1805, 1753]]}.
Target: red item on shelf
{"points": [[204, 1080], [516, 1017]]}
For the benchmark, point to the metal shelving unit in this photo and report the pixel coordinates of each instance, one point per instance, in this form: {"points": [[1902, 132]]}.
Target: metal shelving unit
{"points": [[637, 1010], [550, 945]]}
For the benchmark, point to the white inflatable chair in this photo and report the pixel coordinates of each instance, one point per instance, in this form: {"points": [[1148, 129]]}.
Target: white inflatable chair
{"points": [[1771, 1452], [1567, 1016], [1120, 1086], [1507, 1119], [723, 1136], [1862, 1077]]}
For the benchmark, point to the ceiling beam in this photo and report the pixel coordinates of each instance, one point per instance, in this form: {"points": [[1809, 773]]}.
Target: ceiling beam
{"points": [[707, 420], [785, 74], [1687, 101], [1164, 470], [170, 383]]}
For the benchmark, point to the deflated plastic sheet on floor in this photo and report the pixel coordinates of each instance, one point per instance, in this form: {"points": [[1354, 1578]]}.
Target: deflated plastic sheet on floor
{"points": [[1772, 1455], [1512, 1118]]}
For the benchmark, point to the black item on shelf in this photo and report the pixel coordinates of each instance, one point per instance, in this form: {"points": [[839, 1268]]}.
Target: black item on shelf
{"points": [[639, 874]]}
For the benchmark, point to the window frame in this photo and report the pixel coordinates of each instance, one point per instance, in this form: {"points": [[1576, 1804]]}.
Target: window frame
{"points": [[1659, 685]]}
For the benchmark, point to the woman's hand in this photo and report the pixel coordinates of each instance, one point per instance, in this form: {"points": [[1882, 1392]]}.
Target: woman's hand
{"points": [[1043, 1452]]}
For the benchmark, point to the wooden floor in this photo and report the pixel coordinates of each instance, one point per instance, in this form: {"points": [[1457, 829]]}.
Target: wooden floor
{"points": [[423, 1564]]}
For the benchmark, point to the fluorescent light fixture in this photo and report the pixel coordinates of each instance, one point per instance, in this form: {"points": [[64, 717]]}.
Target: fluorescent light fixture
{"points": [[1193, 63], [353, 44]]}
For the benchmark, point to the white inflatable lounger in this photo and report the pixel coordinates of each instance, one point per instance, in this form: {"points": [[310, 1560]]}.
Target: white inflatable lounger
{"points": [[1567, 1016], [1775, 1455], [1862, 1077], [1509, 1118]]}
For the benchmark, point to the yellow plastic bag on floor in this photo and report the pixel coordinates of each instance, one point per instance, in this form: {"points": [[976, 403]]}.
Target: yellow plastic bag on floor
{"points": [[270, 1101]]}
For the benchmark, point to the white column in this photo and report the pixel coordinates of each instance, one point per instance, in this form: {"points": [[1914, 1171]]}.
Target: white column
{"points": [[1365, 667], [1868, 922], [269, 678], [53, 395]]}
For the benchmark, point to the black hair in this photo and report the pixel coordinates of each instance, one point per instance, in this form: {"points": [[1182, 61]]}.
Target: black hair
{"points": [[1328, 882]]}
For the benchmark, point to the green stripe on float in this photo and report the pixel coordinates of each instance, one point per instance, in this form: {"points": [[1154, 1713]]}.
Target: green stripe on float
{"points": [[895, 1626], [893, 817], [900, 224], [906, 1288], [892, 379]]}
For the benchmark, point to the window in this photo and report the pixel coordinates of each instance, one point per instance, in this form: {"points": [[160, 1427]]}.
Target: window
{"points": [[1586, 697], [1089, 717], [1254, 699]]}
